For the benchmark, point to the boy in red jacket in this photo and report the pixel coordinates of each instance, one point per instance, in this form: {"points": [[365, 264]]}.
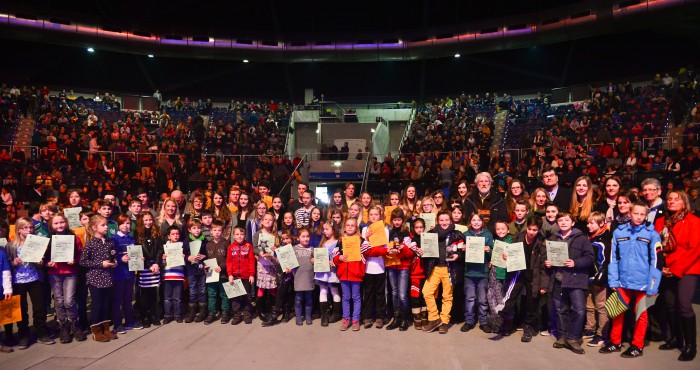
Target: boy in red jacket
{"points": [[240, 264]]}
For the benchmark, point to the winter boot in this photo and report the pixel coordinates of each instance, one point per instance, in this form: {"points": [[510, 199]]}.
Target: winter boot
{"points": [[78, 333], [424, 319], [272, 318], [417, 322], [405, 322], [335, 313], [64, 332], [324, 314], [98, 333], [108, 333], [189, 316], [396, 322], [211, 317], [202, 312], [690, 334]]}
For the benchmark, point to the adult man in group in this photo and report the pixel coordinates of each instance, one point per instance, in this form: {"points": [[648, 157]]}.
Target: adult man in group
{"points": [[559, 195], [651, 192], [295, 204], [180, 199], [142, 195], [487, 203]]}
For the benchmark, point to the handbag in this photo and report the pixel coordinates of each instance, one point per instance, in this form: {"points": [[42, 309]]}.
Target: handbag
{"points": [[615, 305]]}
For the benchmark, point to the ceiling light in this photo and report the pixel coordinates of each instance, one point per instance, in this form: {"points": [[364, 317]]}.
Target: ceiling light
{"points": [[457, 55], [151, 55], [245, 60], [91, 50]]}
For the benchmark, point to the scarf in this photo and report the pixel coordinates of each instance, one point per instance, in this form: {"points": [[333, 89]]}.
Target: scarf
{"points": [[444, 233], [668, 239]]}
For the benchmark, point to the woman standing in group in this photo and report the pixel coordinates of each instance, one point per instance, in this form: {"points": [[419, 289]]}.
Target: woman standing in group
{"points": [[409, 202], [169, 216], [516, 192], [681, 245], [538, 201], [582, 202], [607, 205]]}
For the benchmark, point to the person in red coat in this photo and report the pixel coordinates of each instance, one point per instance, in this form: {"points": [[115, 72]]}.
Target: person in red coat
{"points": [[681, 243], [417, 276], [240, 264]]}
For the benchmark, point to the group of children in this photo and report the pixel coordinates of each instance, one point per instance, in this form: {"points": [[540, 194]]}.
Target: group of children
{"points": [[354, 290]]}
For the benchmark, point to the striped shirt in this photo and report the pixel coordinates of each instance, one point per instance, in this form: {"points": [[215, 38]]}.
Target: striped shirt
{"points": [[147, 279], [174, 273]]}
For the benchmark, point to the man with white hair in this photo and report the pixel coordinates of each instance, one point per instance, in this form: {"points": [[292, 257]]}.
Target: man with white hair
{"points": [[487, 203]]}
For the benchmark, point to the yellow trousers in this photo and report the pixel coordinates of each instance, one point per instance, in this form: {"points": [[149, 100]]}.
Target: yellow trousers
{"points": [[439, 275]]}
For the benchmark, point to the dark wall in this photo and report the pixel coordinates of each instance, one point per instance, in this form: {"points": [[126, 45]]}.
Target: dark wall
{"points": [[539, 67]]}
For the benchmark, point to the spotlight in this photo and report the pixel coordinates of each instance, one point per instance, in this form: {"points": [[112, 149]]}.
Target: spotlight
{"points": [[151, 55], [245, 60], [91, 50], [457, 55]]}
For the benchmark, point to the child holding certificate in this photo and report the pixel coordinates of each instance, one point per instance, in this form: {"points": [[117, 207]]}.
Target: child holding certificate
{"points": [[417, 276], [63, 277], [438, 272], [149, 238], [264, 243], [173, 280], [240, 264], [476, 277], [533, 279], [633, 274], [196, 277], [497, 275], [303, 279], [99, 258], [398, 270], [351, 269], [26, 281], [284, 297], [374, 282], [123, 290], [216, 248], [5, 293], [569, 283], [328, 281]]}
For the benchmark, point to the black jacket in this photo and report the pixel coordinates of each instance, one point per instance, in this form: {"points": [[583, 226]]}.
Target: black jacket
{"points": [[498, 208], [581, 252]]}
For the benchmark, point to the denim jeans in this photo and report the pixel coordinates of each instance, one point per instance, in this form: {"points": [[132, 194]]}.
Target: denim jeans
{"points": [[303, 302], [100, 299], [122, 297], [571, 312], [475, 290], [64, 290], [198, 288], [173, 298], [351, 291], [399, 281]]}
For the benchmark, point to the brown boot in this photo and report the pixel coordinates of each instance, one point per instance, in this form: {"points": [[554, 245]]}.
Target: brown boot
{"points": [[97, 333], [108, 333], [424, 318], [417, 322]]}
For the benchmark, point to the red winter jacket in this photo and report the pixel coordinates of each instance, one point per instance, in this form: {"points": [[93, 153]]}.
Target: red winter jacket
{"points": [[240, 260], [685, 259], [355, 271], [417, 271]]}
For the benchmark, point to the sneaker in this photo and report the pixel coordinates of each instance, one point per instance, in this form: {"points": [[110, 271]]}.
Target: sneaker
{"points": [[345, 325], [146, 325], [545, 333], [367, 323], [466, 327], [588, 333], [432, 326], [119, 330], [135, 326], [166, 320], [519, 328], [45, 339], [560, 343], [356, 325], [527, 335], [23, 343], [632, 352], [575, 346], [610, 348], [596, 341]]}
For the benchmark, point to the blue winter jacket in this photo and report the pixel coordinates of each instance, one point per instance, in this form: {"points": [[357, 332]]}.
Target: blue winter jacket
{"points": [[633, 258]]}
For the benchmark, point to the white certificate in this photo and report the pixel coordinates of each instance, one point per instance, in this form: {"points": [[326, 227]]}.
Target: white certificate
{"points": [[499, 248], [321, 260], [173, 253], [287, 258], [475, 249], [62, 248], [234, 290], [429, 219], [3, 242], [212, 276], [516, 257], [429, 245], [73, 216], [195, 246], [135, 253], [34, 248], [557, 252]]}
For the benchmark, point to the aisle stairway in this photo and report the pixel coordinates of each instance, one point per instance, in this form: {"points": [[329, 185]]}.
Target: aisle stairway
{"points": [[23, 136], [499, 121]]}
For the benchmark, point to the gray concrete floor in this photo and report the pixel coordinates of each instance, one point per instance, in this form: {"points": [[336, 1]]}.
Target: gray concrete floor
{"points": [[287, 346]]}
